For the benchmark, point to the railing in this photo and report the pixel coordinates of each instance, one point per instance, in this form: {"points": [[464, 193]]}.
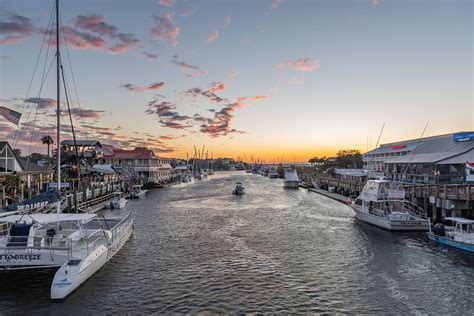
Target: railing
{"points": [[99, 236], [120, 229], [32, 245]]}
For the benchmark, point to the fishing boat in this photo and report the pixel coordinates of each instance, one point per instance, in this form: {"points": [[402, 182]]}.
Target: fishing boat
{"points": [[382, 203], [117, 202], [78, 244], [137, 192], [239, 189], [460, 236], [291, 179]]}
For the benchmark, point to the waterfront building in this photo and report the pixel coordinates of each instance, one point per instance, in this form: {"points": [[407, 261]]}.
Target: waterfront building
{"points": [[442, 159], [141, 162]]}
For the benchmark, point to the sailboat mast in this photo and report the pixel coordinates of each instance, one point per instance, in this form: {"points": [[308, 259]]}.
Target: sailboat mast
{"points": [[58, 108]]}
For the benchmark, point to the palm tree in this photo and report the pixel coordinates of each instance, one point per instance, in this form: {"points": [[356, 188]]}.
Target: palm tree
{"points": [[48, 141]]}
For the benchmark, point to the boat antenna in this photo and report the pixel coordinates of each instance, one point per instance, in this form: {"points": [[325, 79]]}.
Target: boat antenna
{"points": [[58, 109], [378, 140], [416, 147]]}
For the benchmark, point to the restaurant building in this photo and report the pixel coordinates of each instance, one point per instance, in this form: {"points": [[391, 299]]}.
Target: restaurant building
{"points": [[442, 159]]}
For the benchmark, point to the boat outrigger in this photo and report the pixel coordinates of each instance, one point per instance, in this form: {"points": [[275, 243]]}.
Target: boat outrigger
{"points": [[78, 244], [460, 236], [382, 203]]}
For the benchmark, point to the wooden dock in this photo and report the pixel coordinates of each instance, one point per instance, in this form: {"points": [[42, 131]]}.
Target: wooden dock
{"points": [[334, 196]]}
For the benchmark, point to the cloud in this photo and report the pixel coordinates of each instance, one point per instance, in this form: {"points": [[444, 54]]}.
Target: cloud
{"points": [[194, 92], [227, 20], [167, 3], [217, 86], [93, 32], [15, 28], [86, 114], [275, 5], [165, 29], [189, 70], [212, 37], [152, 87], [375, 2], [233, 74], [220, 124], [166, 114], [302, 64], [42, 103], [150, 56]]}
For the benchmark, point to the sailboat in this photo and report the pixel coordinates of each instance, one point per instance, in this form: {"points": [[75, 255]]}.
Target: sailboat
{"points": [[78, 244]]}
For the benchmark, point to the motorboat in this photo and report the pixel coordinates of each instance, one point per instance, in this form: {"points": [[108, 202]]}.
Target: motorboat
{"points": [[78, 244], [460, 236], [273, 173], [248, 171], [117, 202], [291, 179], [382, 203], [137, 192], [239, 189]]}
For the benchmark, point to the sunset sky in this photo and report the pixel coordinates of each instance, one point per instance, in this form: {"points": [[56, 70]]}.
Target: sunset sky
{"points": [[268, 78]]}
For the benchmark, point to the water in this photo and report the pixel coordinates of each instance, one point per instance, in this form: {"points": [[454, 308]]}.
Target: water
{"points": [[196, 248]]}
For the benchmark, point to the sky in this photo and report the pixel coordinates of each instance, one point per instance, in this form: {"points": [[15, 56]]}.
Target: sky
{"points": [[282, 80]]}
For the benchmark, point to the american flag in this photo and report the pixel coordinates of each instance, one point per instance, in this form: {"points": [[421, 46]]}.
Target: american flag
{"points": [[10, 115]]}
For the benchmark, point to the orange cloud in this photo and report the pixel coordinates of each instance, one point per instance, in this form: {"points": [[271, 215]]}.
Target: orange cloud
{"points": [[217, 86], [212, 37]]}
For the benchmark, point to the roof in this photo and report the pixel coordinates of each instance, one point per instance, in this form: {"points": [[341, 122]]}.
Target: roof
{"points": [[106, 169], [137, 153], [81, 142], [48, 218], [2, 145], [459, 159], [460, 220], [31, 166], [435, 149]]}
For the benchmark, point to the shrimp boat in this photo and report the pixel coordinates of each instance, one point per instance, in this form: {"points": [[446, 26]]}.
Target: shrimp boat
{"points": [[137, 192], [382, 203], [291, 179], [78, 244], [460, 236]]}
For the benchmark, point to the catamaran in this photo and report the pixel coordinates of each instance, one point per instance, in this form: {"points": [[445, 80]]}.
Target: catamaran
{"points": [[382, 203], [460, 236], [78, 244], [291, 179]]}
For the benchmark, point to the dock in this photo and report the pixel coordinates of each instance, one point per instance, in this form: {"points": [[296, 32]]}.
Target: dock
{"points": [[334, 196]]}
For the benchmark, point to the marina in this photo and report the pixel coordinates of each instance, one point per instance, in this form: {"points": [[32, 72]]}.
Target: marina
{"points": [[212, 253]]}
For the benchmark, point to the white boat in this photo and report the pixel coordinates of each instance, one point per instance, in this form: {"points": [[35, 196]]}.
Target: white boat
{"points": [[137, 192], [118, 201], [78, 244], [382, 203], [291, 179], [239, 189], [460, 236], [273, 173]]}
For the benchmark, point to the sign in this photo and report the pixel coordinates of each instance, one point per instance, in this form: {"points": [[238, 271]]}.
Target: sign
{"points": [[400, 146], [464, 136], [54, 185]]}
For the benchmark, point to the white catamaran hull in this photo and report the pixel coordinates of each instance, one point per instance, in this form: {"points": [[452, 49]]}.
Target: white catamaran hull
{"points": [[69, 277], [392, 225]]}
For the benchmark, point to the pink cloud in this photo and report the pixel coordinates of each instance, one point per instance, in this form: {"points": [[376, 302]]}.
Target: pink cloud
{"points": [[187, 13], [167, 3], [189, 70], [212, 37], [165, 29], [302, 64], [227, 20], [233, 74], [42, 103], [217, 86], [375, 2], [15, 28]]}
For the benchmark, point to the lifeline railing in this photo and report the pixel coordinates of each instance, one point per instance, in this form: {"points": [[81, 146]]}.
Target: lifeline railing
{"points": [[33, 245]]}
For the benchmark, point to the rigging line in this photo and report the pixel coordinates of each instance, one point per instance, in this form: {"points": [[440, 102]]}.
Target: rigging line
{"points": [[70, 118], [73, 79], [37, 98], [31, 141], [416, 147], [19, 127]]}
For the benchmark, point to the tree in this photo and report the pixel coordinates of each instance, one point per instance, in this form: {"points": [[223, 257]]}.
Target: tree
{"points": [[17, 152], [350, 158], [47, 140]]}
